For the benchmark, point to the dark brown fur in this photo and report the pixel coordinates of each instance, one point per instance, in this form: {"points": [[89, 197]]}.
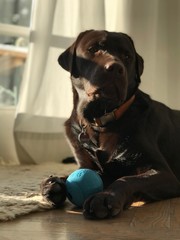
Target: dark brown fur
{"points": [[137, 155]]}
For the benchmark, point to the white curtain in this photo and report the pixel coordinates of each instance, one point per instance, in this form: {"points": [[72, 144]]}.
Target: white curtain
{"points": [[46, 98]]}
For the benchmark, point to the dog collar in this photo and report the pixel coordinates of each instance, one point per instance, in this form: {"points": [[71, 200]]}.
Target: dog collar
{"points": [[114, 115]]}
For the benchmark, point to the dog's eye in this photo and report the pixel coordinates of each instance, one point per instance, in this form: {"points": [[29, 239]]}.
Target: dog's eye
{"points": [[96, 47], [125, 57], [93, 49]]}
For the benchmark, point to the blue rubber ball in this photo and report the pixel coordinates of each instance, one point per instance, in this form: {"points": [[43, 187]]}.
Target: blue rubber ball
{"points": [[81, 184]]}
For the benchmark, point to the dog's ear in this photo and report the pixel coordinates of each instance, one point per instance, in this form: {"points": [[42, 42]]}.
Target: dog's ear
{"points": [[67, 59], [139, 59], [140, 64]]}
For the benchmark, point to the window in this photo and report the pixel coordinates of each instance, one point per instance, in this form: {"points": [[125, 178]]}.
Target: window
{"points": [[14, 35]]}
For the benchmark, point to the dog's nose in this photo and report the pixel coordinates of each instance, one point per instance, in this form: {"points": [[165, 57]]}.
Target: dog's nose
{"points": [[114, 67]]}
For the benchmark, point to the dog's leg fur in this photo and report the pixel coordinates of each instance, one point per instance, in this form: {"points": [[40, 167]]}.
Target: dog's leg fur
{"points": [[126, 190]]}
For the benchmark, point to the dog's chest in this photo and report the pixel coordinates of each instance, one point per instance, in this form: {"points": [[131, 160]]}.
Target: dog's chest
{"points": [[124, 153], [110, 152]]}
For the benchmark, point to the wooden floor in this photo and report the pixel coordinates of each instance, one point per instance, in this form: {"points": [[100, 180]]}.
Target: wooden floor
{"points": [[159, 220]]}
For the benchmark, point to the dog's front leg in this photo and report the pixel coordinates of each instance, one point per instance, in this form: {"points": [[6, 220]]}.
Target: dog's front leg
{"points": [[150, 186]]}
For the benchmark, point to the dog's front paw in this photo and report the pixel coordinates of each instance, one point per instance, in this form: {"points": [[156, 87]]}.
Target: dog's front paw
{"points": [[53, 190], [102, 205]]}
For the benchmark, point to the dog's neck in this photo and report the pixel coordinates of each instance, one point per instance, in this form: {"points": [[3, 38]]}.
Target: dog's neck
{"points": [[100, 123]]}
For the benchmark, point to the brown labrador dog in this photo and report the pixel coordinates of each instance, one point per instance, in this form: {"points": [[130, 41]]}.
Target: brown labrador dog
{"points": [[116, 129]]}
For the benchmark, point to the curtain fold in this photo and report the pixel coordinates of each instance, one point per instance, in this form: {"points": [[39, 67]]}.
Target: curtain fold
{"points": [[46, 98]]}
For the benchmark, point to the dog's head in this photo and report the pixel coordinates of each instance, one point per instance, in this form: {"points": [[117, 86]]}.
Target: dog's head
{"points": [[105, 71]]}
